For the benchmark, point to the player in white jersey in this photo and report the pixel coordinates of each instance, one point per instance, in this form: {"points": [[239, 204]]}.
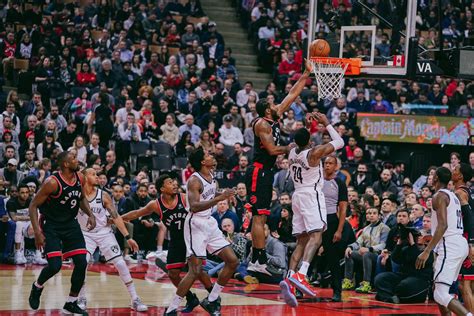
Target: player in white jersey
{"points": [[102, 236], [308, 204], [202, 234], [448, 242]]}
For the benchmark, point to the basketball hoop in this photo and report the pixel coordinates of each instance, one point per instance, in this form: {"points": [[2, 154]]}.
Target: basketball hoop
{"points": [[330, 72]]}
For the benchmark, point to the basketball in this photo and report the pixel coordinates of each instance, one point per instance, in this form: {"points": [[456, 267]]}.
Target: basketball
{"points": [[319, 48]]}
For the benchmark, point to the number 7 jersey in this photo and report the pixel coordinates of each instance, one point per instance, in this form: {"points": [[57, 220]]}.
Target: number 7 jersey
{"points": [[302, 174]]}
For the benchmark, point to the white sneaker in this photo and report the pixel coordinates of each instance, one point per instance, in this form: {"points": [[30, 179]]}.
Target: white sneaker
{"points": [[258, 267], [40, 260], [138, 306], [129, 259], [152, 255], [20, 258], [82, 302]]}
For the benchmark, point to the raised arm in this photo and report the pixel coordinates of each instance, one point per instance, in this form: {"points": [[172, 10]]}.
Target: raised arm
{"points": [[49, 187], [321, 151], [194, 192], [264, 131], [118, 221], [295, 91], [144, 211]]}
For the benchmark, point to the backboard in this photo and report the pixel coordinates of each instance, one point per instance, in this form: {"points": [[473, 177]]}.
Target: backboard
{"points": [[378, 32]]}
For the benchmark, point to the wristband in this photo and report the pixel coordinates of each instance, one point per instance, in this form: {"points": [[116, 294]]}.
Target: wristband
{"points": [[128, 237]]}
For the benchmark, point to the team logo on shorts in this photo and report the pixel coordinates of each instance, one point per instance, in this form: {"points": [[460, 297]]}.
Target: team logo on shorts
{"points": [[114, 248]]}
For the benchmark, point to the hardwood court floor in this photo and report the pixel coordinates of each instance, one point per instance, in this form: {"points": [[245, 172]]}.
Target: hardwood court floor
{"points": [[107, 296]]}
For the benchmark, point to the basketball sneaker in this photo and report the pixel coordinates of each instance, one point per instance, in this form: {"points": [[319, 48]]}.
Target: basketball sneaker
{"points": [[35, 295], [288, 292], [259, 267], [191, 302], [138, 306], [364, 288], [20, 258], [299, 280], [71, 308], [82, 302], [213, 308], [347, 285], [38, 259]]}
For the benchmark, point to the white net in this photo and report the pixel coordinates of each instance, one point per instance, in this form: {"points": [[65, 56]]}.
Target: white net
{"points": [[329, 77]]}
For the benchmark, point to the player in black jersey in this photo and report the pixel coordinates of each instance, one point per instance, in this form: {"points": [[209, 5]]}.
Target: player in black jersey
{"points": [[171, 208], [259, 176], [60, 235], [461, 175]]}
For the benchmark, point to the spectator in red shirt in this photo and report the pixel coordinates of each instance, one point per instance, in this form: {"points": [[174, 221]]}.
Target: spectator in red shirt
{"points": [[85, 77], [155, 66], [288, 68], [175, 79]]}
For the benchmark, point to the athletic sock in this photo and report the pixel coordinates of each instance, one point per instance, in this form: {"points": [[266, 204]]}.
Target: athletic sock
{"points": [[262, 259], [174, 303], [216, 290], [71, 299], [304, 268], [290, 273], [255, 254], [469, 314], [132, 291]]}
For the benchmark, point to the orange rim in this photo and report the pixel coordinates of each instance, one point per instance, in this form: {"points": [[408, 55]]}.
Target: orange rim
{"points": [[353, 68]]}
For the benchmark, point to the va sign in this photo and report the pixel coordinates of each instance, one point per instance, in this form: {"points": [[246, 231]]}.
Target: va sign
{"points": [[428, 68]]}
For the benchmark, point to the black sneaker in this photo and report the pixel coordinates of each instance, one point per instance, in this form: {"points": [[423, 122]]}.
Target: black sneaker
{"points": [[35, 295], [71, 308], [191, 303], [337, 297], [172, 313], [213, 308]]}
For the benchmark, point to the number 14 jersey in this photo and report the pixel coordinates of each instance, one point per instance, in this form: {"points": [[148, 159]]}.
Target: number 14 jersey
{"points": [[302, 174]]}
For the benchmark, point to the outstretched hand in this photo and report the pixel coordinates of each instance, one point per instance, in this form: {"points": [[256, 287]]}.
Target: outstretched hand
{"points": [[308, 66]]}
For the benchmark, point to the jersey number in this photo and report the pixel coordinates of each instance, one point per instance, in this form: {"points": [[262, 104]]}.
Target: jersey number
{"points": [[459, 220], [73, 203], [179, 225], [297, 174]]}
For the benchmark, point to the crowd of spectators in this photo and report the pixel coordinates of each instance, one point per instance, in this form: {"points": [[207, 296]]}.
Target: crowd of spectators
{"points": [[108, 76]]}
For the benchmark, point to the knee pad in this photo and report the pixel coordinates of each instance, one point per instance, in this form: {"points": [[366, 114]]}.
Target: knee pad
{"points": [[441, 294]]}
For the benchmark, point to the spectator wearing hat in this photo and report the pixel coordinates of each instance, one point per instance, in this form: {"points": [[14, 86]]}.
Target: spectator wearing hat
{"points": [[213, 49], [47, 147], [360, 103], [11, 174], [230, 134], [467, 110], [388, 209], [385, 184]]}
